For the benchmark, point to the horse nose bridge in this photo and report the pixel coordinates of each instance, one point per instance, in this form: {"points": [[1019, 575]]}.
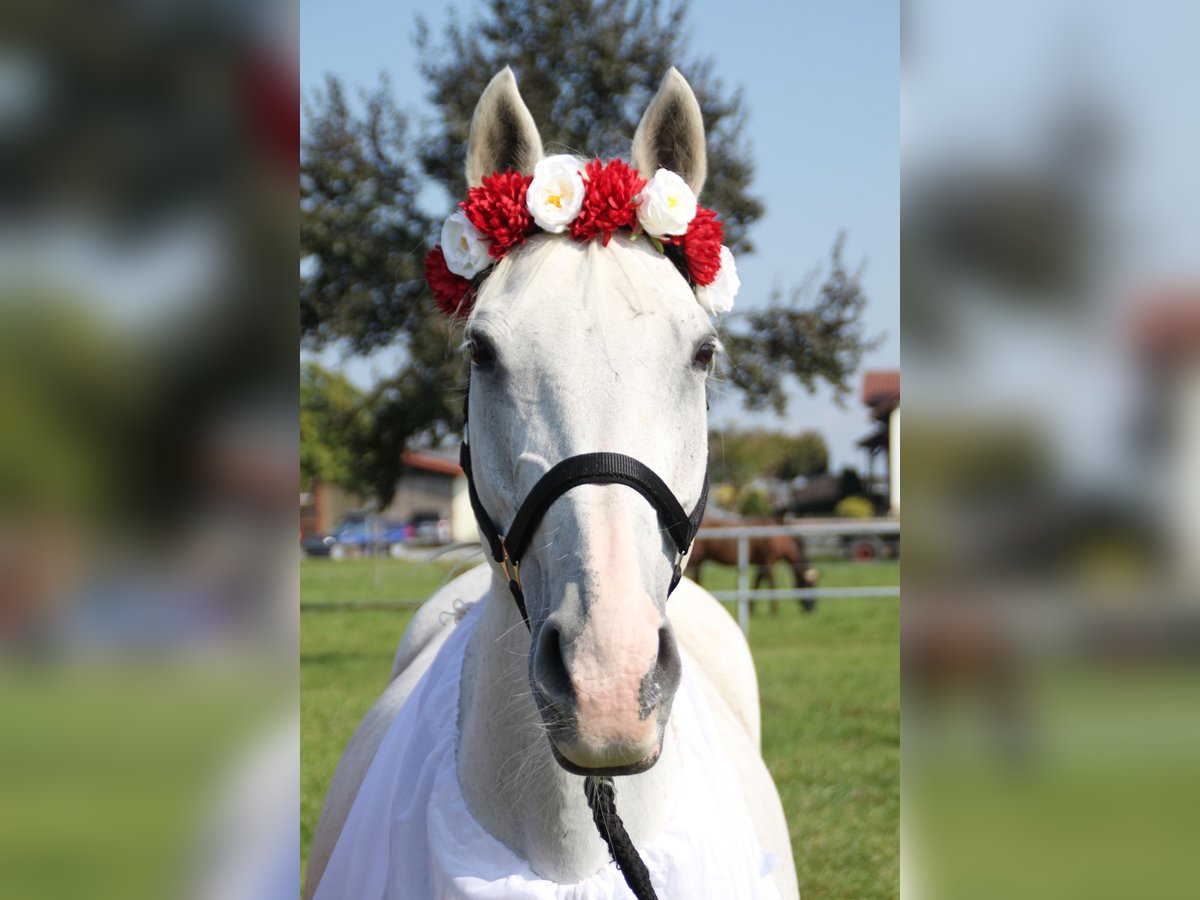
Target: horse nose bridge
{"points": [[609, 614], [615, 531], [605, 665]]}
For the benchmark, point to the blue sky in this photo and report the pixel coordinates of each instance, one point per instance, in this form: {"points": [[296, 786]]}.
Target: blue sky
{"points": [[821, 82]]}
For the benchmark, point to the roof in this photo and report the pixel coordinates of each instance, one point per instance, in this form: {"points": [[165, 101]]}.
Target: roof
{"points": [[1166, 324], [881, 391], [431, 462]]}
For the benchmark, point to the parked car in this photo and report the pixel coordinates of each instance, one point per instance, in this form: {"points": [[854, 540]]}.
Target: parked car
{"points": [[358, 537], [429, 528]]}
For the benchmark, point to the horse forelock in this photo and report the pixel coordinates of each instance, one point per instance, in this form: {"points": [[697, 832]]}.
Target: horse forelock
{"points": [[553, 273]]}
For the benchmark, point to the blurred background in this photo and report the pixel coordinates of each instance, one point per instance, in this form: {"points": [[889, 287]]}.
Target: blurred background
{"points": [[1051, 327], [149, 465], [148, 631]]}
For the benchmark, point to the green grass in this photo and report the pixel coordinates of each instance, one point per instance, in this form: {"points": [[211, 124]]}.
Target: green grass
{"points": [[1100, 802], [829, 684], [323, 580], [109, 771]]}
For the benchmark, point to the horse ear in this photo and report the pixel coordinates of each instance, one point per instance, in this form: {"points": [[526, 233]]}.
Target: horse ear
{"points": [[503, 135], [671, 134]]}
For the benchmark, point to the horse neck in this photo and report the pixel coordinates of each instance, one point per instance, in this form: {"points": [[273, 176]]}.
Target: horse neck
{"points": [[511, 783]]}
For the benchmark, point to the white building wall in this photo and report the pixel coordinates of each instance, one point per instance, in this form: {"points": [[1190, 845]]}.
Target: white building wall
{"points": [[1185, 474], [894, 460], [462, 517]]}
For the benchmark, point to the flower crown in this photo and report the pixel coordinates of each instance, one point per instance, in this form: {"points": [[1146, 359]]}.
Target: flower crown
{"points": [[589, 201]]}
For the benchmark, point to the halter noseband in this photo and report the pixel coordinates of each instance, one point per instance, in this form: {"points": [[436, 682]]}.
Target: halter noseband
{"points": [[587, 468]]}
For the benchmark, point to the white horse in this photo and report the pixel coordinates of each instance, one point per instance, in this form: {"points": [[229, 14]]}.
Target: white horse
{"points": [[576, 347]]}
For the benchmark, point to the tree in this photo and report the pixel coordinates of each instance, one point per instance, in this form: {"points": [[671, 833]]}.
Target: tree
{"points": [[854, 507], [755, 503], [737, 457], [362, 232], [334, 424], [587, 70], [362, 239], [811, 336], [804, 456]]}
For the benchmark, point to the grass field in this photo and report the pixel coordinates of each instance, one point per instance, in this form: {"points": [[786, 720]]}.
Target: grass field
{"points": [[829, 684]]}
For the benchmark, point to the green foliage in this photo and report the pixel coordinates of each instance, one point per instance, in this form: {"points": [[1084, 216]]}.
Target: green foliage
{"points": [[333, 425], [354, 439], [70, 395], [806, 455], [854, 508], [739, 457], [362, 239], [755, 503], [734, 457], [850, 483], [362, 232], [810, 336]]}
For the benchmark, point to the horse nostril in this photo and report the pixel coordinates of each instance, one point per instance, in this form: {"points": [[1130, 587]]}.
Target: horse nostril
{"points": [[666, 646], [550, 669], [663, 677]]}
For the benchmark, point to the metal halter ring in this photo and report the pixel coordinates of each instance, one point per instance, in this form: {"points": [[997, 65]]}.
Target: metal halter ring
{"points": [[510, 567]]}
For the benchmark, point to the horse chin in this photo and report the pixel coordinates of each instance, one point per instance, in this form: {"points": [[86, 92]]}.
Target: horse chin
{"points": [[631, 768], [581, 756]]}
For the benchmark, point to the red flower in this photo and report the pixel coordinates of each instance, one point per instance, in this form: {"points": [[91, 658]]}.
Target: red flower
{"points": [[451, 292], [702, 246], [608, 204], [498, 212]]}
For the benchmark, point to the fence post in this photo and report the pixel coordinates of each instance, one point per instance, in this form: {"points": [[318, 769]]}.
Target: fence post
{"points": [[744, 583], [375, 551]]}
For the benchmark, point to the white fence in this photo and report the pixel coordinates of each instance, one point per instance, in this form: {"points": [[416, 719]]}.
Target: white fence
{"points": [[854, 528]]}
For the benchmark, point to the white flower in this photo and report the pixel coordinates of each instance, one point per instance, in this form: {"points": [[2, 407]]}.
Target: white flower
{"points": [[718, 297], [465, 249], [666, 204], [555, 195]]}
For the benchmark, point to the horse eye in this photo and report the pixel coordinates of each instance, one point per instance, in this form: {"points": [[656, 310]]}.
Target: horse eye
{"points": [[482, 352], [704, 356]]}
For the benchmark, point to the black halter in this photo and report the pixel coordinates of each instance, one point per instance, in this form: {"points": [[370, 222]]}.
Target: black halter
{"points": [[587, 468]]}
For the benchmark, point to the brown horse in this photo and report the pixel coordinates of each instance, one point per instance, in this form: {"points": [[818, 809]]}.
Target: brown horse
{"points": [[764, 553]]}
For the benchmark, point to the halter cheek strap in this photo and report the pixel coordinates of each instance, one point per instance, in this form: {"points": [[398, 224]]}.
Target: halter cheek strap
{"points": [[587, 468]]}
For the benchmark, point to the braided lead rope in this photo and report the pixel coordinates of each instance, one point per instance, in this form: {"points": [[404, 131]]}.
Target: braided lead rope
{"points": [[601, 798]]}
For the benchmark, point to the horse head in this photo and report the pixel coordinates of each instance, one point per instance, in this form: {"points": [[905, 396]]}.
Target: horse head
{"points": [[579, 348]]}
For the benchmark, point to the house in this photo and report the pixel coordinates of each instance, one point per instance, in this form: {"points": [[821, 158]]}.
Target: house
{"points": [[432, 486], [881, 395], [1166, 337]]}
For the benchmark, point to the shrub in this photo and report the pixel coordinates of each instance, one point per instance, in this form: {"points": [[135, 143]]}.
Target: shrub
{"points": [[854, 508], [755, 504]]}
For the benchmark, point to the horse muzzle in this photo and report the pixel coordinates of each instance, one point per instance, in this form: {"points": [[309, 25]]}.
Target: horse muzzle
{"points": [[605, 705]]}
